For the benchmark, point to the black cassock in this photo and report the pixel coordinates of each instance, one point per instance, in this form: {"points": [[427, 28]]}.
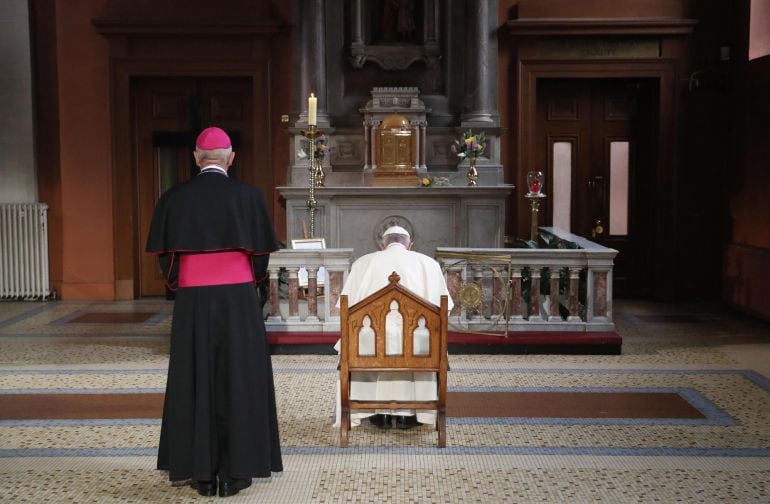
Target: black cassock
{"points": [[219, 414]]}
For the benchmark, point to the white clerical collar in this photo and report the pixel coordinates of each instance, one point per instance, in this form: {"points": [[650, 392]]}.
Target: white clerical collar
{"points": [[395, 243], [214, 169]]}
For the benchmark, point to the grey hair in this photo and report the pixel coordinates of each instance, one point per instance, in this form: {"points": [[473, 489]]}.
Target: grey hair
{"points": [[396, 238], [218, 156]]}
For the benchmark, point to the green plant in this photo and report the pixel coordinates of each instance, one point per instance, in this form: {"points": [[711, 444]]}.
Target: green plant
{"points": [[549, 241]]}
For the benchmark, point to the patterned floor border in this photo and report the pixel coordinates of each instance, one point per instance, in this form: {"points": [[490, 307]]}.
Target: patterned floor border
{"points": [[713, 414], [367, 450]]}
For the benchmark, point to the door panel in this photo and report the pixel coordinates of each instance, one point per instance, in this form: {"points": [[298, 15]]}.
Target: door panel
{"points": [[167, 114], [594, 141]]}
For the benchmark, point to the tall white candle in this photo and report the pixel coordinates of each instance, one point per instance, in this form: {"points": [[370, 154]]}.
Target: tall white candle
{"points": [[312, 107]]}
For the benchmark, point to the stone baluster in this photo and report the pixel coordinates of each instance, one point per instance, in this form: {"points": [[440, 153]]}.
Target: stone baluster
{"points": [[312, 294], [454, 279], [275, 301], [333, 288], [478, 279], [553, 299], [574, 286], [293, 295], [534, 291], [497, 290], [516, 296]]}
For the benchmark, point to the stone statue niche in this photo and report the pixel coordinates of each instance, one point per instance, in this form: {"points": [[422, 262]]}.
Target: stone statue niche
{"points": [[396, 153]]}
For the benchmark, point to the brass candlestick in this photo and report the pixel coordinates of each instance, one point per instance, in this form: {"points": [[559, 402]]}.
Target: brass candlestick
{"points": [[534, 205], [473, 174], [320, 176], [311, 133], [535, 182]]}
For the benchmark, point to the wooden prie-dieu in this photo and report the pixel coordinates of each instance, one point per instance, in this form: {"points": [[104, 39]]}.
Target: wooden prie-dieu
{"points": [[364, 348]]}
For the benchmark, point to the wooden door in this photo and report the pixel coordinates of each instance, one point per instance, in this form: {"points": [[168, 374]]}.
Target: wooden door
{"points": [[168, 113], [594, 138]]}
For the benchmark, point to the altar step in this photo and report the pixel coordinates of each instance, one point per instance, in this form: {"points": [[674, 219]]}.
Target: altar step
{"points": [[534, 342]]}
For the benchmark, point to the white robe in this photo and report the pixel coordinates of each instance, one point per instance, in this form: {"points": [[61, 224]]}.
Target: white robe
{"points": [[420, 274]]}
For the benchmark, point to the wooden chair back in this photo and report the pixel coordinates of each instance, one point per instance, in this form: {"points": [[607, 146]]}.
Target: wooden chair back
{"points": [[364, 347]]}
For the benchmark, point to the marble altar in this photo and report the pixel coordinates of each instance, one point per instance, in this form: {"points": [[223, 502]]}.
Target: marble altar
{"points": [[450, 216]]}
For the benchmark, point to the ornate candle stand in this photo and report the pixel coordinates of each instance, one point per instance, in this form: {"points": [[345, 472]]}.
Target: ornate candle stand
{"points": [[311, 133], [535, 196], [318, 171]]}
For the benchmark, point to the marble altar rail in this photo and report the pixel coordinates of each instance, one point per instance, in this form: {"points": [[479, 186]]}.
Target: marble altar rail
{"points": [[325, 271], [564, 290], [517, 290]]}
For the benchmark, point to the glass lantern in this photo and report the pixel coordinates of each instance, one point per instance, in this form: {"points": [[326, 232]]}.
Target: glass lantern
{"points": [[534, 182]]}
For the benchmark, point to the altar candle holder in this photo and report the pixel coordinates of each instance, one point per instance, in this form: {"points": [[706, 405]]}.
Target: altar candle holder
{"points": [[311, 133], [535, 195]]}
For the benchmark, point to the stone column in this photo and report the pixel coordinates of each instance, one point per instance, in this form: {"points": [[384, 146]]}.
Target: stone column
{"points": [[310, 48], [356, 33], [424, 142], [481, 64], [367, 146], [418, 144], [373, 144]]}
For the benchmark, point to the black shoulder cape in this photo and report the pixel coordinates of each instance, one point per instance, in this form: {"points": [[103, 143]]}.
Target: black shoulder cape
{"points": [[209, 213]]}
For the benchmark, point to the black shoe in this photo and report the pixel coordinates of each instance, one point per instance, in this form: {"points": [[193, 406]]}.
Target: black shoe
{"points": [[205, 488], [406, 422], [382, 421], [231, 486]]}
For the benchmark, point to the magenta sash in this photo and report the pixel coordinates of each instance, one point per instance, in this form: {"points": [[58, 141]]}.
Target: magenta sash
{"points": [[215, 268]]}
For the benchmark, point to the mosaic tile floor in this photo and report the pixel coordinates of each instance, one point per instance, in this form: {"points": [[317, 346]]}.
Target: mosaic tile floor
{"points": [[716, 362]]}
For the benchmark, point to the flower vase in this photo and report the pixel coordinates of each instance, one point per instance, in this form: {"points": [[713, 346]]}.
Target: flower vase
{"points": [[320, 175], [473, 175]]}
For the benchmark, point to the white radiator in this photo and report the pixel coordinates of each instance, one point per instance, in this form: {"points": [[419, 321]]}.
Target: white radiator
{"points": [[24, 251]]}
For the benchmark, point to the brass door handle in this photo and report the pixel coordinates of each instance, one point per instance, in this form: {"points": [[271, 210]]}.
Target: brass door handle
{"points": [[598, 229]]}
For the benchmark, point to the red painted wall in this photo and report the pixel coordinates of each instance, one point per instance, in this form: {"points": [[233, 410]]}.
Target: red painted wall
{"points": [[85, 153], [74, 139], [281, 84]]}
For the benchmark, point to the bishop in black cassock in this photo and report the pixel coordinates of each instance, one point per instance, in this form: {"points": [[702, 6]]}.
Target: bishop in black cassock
{"points": [[213, 237]]}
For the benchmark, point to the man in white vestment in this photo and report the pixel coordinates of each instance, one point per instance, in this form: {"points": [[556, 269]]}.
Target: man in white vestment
{"points": [[420, 274]]}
